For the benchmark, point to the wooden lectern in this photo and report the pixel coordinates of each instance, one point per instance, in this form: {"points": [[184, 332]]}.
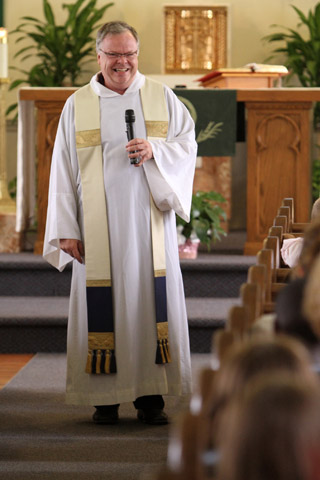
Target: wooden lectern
{"points": [[266, 77], [278, 145]]}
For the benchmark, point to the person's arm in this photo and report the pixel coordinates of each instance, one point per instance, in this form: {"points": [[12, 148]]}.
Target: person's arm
{"points": [[170, 171], [63, 204]]}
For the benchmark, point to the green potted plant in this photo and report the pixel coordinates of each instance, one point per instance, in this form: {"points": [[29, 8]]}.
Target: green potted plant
{"points": [[62, 51], [301, 52], [302, 58], [204, 225], [315, 179]]}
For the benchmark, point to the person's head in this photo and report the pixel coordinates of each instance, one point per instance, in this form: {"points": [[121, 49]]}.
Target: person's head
{"points": [[249, 360], [289, 316], [310, 247], [315, 212], [271, 431], [311, 300], [117, 46], [258, 356]]}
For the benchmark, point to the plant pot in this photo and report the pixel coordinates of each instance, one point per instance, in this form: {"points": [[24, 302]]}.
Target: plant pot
{"points": [[189, 249]]}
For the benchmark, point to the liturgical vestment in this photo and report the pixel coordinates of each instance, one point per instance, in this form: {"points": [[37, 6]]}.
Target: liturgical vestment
{"points": [[169, 177]]}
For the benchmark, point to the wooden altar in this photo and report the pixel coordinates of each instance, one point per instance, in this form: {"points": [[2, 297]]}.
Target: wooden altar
{"points": [[278, 152]]}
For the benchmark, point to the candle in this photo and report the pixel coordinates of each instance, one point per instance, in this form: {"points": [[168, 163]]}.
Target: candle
{"points": [[3, 53]]}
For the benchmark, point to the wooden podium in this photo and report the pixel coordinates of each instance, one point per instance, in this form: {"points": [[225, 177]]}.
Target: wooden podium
{"points": [[243, 78], [278, 156], [278, 145]]}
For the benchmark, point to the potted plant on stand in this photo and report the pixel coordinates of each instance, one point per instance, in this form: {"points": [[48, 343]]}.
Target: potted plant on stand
{"points": [[204, 225]]}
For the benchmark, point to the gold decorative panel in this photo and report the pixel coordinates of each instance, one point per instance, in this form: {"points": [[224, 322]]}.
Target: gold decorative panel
{"points": [[195, 38]]}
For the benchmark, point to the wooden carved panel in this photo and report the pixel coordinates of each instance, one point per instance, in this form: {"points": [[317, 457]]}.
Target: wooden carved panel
{"points": [[278, 163], [195, 38], [47, 120]]}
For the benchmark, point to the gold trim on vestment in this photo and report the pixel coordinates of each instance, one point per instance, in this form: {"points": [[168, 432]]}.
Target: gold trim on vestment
{"points": [[101, 340], [88, 138], [160, 273], [156, 128], [101, 345], [98, 283], [162, 330]]}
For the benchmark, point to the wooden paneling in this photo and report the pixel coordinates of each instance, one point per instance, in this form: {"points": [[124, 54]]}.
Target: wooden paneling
{"points": [[48, 119], [278, 164]]}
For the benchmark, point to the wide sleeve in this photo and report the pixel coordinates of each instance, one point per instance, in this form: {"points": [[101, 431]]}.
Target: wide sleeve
{"points": [[171, 171], [63, 204]]}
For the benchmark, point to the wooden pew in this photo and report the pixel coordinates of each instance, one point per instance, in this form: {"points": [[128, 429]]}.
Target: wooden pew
{"points": [[182, 449], [281, 221], [250, 295], [265, 257], [222, 341], [294, 227], [237, 322]]}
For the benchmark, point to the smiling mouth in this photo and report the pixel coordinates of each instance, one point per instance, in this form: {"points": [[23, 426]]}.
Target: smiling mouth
{"points": [[121, 69]]}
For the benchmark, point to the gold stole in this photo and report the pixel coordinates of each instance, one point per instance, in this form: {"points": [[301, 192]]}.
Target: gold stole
{"points": [[101, 336]]}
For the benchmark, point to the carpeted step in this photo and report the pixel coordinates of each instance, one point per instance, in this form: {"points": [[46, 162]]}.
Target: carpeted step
{"points": [[217, 276], [205, 317], [209, 275], [39, 324], [25, 274], [33, 324]]}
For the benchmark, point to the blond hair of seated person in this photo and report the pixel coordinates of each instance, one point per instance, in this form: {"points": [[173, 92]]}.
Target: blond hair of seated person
{"points": [[272, 431], [246, 361]]}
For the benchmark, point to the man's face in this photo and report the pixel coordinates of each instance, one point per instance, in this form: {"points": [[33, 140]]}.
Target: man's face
{"points": [[118, 72]]}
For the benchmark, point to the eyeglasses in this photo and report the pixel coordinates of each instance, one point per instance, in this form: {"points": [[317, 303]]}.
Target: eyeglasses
{"points": [[119, 55]]}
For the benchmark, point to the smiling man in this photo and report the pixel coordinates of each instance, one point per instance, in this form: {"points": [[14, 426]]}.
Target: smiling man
{"points": [[118, 69], [127, 329]]}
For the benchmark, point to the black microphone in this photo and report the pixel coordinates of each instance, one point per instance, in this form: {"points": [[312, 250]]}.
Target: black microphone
{"points": [[130, 119]]}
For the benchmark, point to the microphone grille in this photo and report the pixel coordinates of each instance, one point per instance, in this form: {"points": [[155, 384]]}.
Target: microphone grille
{"points": [[129, 116]]}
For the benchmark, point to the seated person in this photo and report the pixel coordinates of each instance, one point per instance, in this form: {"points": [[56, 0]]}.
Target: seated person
{"points": [[271, 430], [245, 362], [289, 316], [292, 246], [310, 250]]}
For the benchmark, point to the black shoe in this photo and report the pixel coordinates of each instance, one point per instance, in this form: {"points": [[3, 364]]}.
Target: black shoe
{"points": [[153, 416], [106, 415]]}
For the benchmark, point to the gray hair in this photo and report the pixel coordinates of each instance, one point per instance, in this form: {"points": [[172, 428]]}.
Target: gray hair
{"points": [[115, 28]]}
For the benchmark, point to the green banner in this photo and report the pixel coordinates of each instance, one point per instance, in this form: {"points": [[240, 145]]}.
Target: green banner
{"points": [[214, 112], [1, 14]]}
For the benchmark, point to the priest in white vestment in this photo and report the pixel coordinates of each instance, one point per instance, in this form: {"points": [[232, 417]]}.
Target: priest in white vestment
{"points": [[165, 169]]}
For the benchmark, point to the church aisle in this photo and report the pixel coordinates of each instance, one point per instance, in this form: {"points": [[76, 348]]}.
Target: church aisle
{"points": [[42, 437]]}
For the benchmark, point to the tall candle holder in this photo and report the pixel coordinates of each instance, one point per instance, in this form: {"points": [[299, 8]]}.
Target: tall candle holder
{"points": [[7, 205]]}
